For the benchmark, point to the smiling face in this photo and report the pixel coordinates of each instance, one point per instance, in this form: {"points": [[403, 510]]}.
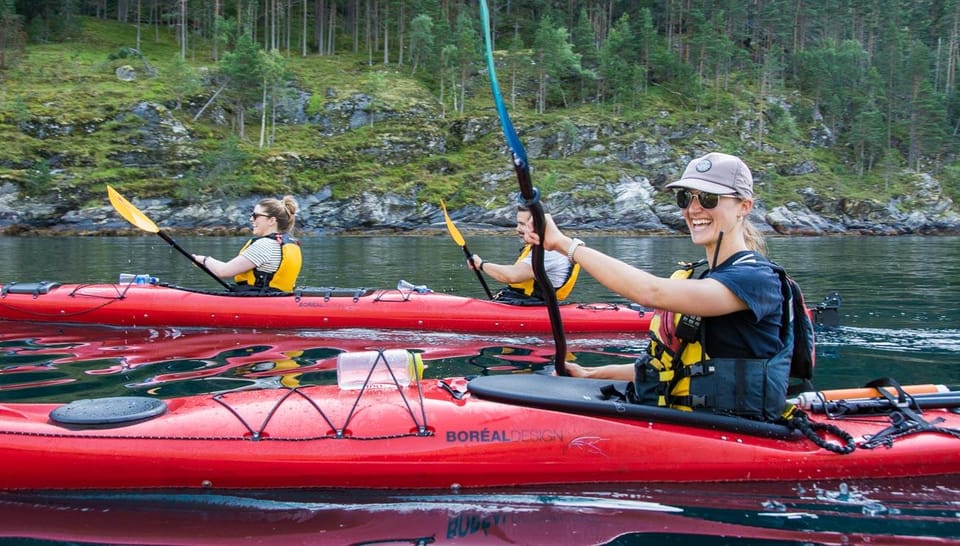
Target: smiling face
{"points": [[705, 224], [262, 223]]}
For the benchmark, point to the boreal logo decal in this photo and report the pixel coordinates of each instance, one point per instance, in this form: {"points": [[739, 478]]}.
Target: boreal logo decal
{"points": [[486, 436]]}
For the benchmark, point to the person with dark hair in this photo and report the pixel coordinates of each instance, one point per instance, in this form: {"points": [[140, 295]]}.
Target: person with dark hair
{"points": [[269, 261], [717, 339], [519, 277]]}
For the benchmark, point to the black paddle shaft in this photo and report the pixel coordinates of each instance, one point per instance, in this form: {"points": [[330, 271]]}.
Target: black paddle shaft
{"points": [[177, 246], [531, 199], [480, 278]]}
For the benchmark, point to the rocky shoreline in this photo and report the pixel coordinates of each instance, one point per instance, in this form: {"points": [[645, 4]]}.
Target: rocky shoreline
{"points": [[635, 206], [630, 204]]}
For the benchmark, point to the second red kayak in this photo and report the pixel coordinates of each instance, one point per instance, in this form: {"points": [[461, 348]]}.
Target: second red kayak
{"points": [[315, 308], [164, 305]]}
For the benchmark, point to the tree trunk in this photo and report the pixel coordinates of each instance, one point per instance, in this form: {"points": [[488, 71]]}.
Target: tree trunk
{"points": [[139, 2], [303, 30], [216, 14], [263, 115], [386, 33], [401, 31], [183, 30]]}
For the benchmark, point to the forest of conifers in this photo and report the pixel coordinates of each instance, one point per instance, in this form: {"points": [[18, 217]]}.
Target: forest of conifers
{"points": [[882, 74]]}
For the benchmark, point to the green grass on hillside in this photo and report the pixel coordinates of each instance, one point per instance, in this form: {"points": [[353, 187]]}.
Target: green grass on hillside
{"points": [[74, 85]]}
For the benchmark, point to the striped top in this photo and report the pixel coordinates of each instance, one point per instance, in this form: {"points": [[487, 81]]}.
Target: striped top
{"points": [[265, 253]]}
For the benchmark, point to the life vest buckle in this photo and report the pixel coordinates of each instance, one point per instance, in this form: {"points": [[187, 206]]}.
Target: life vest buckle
{"points": [[700, 368]]}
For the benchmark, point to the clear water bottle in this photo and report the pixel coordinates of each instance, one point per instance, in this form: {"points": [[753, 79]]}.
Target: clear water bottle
{"points": [[130, 278], [354, 368], [406, 286]]}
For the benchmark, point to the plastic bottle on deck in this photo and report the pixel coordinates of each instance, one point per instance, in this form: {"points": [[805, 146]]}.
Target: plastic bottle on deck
{"points": [[409, 286], [130, 278], [354, 368]]}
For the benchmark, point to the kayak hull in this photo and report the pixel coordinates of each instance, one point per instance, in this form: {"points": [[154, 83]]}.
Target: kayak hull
{"points": [[440, 436], [318, 308]]}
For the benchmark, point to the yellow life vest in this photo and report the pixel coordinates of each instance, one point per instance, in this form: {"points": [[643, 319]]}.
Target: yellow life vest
{"points": [[285, 277], [676, 371], [529, 288], [675, 340]]}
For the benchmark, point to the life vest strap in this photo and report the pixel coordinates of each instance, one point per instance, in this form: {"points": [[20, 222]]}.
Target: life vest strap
{"points": [[695, 370], [690, 401]]}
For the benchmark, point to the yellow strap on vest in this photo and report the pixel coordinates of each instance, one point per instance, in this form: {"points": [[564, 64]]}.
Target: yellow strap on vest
{"points": [[526, 286], [246, 277], [567, 286], [285, 278], [562, 291], [664, 346]]}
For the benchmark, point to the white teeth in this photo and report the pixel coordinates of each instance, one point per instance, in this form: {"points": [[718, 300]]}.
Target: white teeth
{"points": [[700, 222]]}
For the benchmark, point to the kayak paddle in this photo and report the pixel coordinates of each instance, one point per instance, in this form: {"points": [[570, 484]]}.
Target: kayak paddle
{"points": [[133, 215], [852, 406], [531, 198], [457, 238]]}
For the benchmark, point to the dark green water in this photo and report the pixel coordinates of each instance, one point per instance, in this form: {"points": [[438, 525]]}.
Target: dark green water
{"points": [[900, 315], [900, 318]]}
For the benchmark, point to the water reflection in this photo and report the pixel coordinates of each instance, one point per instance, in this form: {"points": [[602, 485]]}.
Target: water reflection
{"points": [[894, 512], [899, 319], [60, 363]]}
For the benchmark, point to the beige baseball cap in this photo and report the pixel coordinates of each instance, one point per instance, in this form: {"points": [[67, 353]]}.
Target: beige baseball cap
{"points": [[717, 173]]}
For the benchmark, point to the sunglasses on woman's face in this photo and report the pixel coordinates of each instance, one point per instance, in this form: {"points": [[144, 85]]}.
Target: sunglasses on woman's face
{"points": [[707, 200]]}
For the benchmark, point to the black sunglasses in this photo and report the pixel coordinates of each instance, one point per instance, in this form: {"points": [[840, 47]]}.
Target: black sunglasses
{"points": [[707, 200], [254, 216]]}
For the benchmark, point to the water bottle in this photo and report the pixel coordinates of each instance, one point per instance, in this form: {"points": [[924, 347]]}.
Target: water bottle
{"points": [[408, 286], [354, 367], [130, 278]]}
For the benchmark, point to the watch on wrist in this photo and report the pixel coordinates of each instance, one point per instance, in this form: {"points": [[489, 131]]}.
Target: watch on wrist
{"points": [[574, 244]]}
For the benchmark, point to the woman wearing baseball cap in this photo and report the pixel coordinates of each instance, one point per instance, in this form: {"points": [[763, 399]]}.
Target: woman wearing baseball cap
{"points": [[709, 325]]}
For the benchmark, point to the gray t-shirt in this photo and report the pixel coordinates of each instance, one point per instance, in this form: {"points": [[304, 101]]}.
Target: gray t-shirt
{"points": [[555, 264]]}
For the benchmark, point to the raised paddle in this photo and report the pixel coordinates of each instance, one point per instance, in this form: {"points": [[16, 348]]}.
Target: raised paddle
{"points": [[140, 220], [457, 238], [531, 198]]}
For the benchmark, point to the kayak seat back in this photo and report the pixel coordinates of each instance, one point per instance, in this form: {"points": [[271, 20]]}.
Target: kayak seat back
{"points": [[589, 396]]}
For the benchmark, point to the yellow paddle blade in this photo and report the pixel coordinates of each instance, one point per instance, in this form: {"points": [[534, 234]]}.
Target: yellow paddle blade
{"points": [[130, 212], [454, 232]]}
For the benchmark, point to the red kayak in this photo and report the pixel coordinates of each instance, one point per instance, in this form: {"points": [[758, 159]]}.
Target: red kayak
{"points": [[160, 305], [502, 430], [163, 305]]}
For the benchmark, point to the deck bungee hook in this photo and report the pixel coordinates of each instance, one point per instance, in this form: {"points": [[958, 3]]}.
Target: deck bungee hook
{"points": [[529, 197]]}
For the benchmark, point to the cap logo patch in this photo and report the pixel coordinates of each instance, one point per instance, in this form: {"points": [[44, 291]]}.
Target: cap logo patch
{"points": [[704, 165]]}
